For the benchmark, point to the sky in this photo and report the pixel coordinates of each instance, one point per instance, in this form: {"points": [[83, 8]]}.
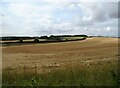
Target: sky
{"points": [[53, 17]]}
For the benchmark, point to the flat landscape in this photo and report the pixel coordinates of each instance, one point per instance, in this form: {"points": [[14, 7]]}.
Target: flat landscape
{"points": [[82, 63]]}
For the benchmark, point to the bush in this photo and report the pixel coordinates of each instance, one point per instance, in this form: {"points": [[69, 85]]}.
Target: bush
{"points": [[21, 41], [36, 40]]}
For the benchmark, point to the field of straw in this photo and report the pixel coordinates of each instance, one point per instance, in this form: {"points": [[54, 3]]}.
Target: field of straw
{"points": [[90, 62]]}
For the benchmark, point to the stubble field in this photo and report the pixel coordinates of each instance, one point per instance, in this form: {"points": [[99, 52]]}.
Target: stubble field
{"points": [[90, 62]]}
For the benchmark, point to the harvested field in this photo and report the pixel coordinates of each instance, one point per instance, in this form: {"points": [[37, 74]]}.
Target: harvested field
{"points": [[44, 58]]}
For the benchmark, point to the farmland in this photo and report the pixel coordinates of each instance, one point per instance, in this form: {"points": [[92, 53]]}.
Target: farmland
{"points": [[90, 62]]}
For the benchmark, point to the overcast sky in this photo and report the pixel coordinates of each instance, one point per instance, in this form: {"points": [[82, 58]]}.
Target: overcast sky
{"points": [[38, 17]]}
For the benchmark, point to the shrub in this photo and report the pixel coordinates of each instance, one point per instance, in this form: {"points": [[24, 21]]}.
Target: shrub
{"points": [[20, 40], [36, 40]]}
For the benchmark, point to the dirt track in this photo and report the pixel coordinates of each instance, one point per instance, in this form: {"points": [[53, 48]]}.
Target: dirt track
{"points": [[91, 50]]}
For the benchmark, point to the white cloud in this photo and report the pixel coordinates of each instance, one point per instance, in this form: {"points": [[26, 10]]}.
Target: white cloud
{"points": [[50, 18], [72, 6], [108, 28], [59, 0], [98, 29], [29, 10]]}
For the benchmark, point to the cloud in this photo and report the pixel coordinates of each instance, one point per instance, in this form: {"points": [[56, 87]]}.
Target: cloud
{"points": [[46, 18], [99, 12], [112, 9], [59, 1], [108, 28]]}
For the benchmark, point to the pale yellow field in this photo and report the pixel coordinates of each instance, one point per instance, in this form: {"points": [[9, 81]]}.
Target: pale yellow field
{"points": [[94, 50]]}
